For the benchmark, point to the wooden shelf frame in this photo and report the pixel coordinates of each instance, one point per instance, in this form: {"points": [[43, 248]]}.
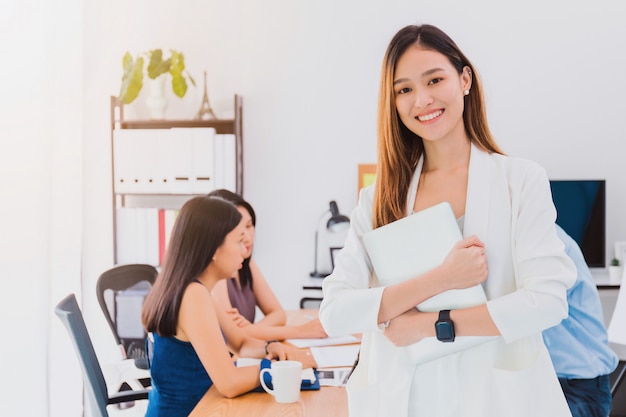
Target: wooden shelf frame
{"points": [[221, 126]]}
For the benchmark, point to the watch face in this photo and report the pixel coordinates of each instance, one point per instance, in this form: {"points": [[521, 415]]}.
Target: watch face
{"points": [[445, 331]]}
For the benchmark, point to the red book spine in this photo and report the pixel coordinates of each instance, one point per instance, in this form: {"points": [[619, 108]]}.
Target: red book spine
{"points": [[162, 242]]}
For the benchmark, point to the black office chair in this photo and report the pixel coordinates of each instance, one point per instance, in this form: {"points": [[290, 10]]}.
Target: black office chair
{"points": [[125, 286], [617, 390], [69, 313], [617, 377]]}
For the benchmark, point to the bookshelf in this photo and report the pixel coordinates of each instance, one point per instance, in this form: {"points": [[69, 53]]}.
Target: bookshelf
{"points": [[228, 130]]}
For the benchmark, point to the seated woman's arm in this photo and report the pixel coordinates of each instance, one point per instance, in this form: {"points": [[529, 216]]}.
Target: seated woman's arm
{"points": [[244, 345], [273, 325], [274, 314], [264, 297], [198, 323]]}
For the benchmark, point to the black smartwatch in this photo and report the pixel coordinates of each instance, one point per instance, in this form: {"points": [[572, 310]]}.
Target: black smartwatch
{"points": [[444, 327]]}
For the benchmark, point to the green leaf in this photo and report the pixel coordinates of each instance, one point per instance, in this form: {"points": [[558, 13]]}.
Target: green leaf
{"points": [[156, 65], [178, 62], [179, 84], [132, 80]]}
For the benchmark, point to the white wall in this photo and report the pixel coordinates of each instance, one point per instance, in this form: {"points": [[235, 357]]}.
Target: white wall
{"points": [[308, 72], [41, 211]]}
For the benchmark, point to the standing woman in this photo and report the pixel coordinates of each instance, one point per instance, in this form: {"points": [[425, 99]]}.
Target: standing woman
{"points": [[434, 146], [191, 349]]}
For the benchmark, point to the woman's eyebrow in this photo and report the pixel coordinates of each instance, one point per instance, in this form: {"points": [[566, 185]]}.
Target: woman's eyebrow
{"points": [[424, 74]]}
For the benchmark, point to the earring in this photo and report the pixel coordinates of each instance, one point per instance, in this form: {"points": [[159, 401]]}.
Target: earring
{"points": [[466, 92]]}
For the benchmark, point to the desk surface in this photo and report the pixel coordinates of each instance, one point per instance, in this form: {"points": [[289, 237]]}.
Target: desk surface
{"points": [[328, 401]]}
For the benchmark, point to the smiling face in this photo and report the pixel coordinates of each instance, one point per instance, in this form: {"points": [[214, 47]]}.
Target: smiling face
{"points": [[429, 94]]}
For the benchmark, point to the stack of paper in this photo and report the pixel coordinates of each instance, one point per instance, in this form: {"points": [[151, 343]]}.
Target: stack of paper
{"points": [[335, 356], [324, 341]]}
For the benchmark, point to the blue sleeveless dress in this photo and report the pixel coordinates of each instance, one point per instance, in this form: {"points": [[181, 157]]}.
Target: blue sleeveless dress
{"points": [[179, 379]]}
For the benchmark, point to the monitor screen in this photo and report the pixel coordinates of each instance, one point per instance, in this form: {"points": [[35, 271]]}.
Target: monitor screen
{"points": [[581, 212]]}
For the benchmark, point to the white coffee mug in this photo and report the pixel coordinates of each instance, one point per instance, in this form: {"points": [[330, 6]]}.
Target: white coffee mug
{"points": [[286, 380]]}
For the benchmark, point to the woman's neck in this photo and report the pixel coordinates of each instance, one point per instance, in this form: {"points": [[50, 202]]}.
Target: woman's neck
{"points": [[440, 156], [208, 278]]}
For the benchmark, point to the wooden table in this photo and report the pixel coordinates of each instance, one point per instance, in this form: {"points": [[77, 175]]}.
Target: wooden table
{"points": [[328, 401]]}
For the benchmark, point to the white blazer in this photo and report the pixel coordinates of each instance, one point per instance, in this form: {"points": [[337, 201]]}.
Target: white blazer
{"points": [[509, 207]]}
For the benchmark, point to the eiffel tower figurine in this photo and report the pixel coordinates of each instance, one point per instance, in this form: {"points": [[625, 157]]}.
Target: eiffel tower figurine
{"points": [[205, 112]]}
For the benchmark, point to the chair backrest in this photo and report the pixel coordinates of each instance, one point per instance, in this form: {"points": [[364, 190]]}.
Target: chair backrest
{"points": [[71, 316], [617, 336], [617, 377], [126, 287]]}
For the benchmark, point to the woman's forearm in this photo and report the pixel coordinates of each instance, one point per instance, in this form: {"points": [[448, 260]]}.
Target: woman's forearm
{"points": [[402, 297], [474, 321], [252, 348], [274, 318], [413, 326]]}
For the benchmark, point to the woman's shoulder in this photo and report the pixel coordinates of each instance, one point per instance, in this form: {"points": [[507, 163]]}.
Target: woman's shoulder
{"points": [[366, 194], [361, 215], [196, 289], [518, 166]]}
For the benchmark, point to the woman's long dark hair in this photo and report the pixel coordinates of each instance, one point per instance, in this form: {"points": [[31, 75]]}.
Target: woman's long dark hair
{"points": [[200, 228], [245, 274]]}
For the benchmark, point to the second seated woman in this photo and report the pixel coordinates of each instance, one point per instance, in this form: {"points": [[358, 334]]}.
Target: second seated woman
{"points": [[240, 295]]}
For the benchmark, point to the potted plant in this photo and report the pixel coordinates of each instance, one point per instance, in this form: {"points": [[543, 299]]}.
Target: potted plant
{"points": [[132, 79], [615, 271]]}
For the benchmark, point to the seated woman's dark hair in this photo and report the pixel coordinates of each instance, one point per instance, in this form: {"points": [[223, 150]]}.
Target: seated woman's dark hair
{"points": [[245, 275], [200, 228], [236, 199]]}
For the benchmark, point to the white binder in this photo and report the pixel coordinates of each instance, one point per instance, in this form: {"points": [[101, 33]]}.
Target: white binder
{"points": [[225, 165], [203, 178], [124, 153], [180, 160], [138, 156]]}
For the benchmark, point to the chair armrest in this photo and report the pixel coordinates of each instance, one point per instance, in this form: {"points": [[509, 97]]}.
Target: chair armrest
{"points": [[126, 396]]}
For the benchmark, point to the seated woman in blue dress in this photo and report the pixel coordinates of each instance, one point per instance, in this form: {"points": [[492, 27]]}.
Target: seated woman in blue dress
{"points": [[192, 338]]}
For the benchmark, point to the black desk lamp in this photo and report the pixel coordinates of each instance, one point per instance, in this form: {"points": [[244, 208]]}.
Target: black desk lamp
{"points": [[335, 223]]}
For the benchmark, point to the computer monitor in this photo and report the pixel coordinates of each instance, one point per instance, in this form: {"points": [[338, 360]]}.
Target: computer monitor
{"points": [[581, 212]]}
